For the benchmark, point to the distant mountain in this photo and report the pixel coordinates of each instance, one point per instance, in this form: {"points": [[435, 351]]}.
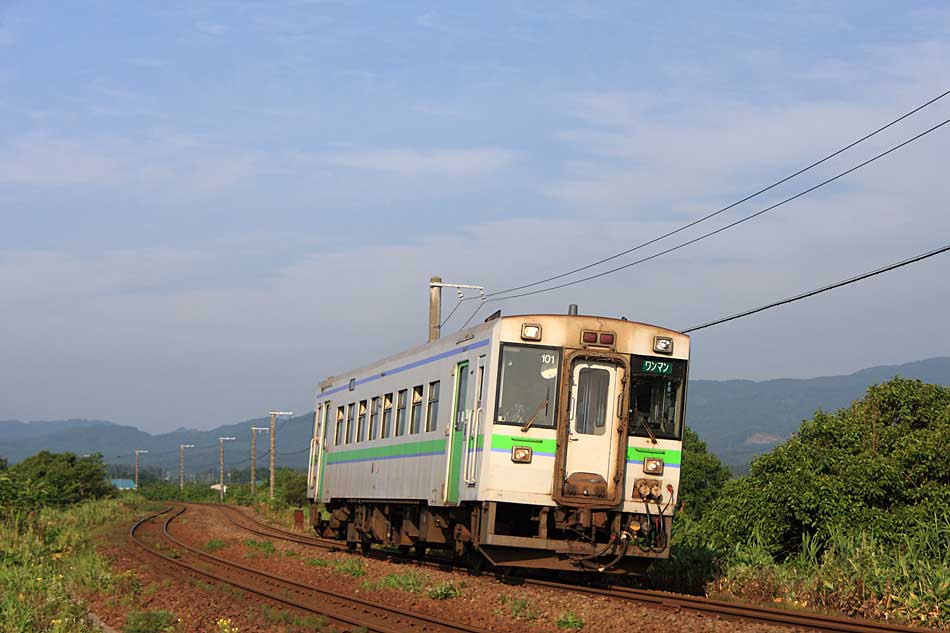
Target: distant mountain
{"points": [[118, 443], [739, 419]]}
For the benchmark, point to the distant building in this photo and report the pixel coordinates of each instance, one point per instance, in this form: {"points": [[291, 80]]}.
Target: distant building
{"points": [[218, 487], [123, 484]]}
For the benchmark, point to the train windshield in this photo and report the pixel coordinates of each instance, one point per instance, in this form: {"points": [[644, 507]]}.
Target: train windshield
{"points": [[656, 397], [527, 386]]}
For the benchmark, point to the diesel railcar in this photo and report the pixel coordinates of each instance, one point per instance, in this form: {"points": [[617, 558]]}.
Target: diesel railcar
{"points": [[550, 441]]}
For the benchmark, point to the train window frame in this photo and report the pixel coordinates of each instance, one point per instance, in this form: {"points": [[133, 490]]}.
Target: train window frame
{"points": [[373, 418], [678, 375], [415, 412], [361, 422], [338, 431], [499, 386], [385, 430], [350, 409], [402, 402], [325, 436], [432, 413]]}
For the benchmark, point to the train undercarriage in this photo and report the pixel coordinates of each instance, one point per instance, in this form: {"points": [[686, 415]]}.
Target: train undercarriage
{"points": [[503, 534]]}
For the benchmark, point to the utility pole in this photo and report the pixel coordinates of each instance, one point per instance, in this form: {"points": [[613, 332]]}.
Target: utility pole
{"points": [[137, 453], [181, 465], [254, 430], [221, 441], [273, 444], [435, 303]]}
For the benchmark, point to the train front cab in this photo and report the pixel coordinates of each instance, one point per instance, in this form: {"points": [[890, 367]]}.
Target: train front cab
{"points": [[585, 441]]}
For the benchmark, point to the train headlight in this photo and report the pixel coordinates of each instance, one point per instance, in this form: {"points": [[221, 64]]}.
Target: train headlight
{"points": [[653, 466], [530, 332], [521, 454], [662, 345]]}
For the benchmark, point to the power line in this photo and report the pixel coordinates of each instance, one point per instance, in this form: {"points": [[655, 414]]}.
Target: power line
{"points": [[472, 315], [730, 225], [812, 293], [726, 208]]}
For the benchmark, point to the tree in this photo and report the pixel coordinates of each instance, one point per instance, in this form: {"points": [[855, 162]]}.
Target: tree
{"points": [[292, 486], [703, 475], [66, 477], [879, 466]]}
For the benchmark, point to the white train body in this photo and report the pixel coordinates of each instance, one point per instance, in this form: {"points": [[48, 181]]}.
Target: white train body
{"points": [[538, 440]]}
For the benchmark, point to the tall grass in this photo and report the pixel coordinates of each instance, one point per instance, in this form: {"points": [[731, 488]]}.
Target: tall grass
{"points": [[47, 562], [857, 573]]}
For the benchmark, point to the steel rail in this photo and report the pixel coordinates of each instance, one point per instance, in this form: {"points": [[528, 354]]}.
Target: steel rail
{"points": [[335, 606], [736, 610]]}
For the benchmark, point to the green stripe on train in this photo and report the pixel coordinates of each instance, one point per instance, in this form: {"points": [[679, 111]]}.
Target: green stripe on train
{"points": [[668, 455], [394, 450], [506, 442]]}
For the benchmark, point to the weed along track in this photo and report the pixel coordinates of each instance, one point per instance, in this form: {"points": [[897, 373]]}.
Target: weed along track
{"points": [[341, 610], [715, 608]]}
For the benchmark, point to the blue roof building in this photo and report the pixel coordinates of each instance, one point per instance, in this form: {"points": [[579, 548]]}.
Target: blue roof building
{"points": [[123, 484]]}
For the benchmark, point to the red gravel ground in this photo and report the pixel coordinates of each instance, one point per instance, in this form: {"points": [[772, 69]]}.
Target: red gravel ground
{"points": [[481, 601]]}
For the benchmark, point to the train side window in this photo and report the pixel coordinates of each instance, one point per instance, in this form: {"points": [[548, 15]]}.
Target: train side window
{"points": [[656, 401], [326, 424], [432, 412], [415, 420], [401, 412], [338, 437], [361, 422], [387, 429], [373, 418], [349, 422]]}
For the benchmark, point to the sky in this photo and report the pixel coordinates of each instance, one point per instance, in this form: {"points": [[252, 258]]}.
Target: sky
{"points": [[208, 207]]}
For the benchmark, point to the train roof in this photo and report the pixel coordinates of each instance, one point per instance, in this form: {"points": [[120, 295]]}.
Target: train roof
{"points": [[456, 338]]}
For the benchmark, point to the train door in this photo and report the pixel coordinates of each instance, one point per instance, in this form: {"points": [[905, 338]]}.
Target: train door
{"points": [[318, 450], [457, 431], [473, 436], [593, 433]]}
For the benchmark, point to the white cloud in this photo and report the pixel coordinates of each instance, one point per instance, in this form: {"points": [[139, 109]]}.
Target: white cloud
{"points": [[475, 161]]}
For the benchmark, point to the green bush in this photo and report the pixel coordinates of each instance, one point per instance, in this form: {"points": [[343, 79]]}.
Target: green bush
{"points": [[853, 513]]}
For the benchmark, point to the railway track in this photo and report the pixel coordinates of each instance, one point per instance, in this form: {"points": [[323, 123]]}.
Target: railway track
{"points": [[340, 609], [706, 606]]}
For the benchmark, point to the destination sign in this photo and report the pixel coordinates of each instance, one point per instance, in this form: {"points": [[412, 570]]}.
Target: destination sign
{"points": [[661, 367]]}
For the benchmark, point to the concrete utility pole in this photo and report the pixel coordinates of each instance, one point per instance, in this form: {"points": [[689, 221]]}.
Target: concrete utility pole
{"points": [[137, 453], [221, 441], [254, 430], [435, 303], [273, 444], [181, 465]]}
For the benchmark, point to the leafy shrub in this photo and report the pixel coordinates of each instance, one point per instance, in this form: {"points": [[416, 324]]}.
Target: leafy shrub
{"points": [[214, 545], [851, 514]]}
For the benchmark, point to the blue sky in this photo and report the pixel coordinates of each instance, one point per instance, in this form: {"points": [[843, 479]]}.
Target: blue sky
{"points": [[208, 207]]}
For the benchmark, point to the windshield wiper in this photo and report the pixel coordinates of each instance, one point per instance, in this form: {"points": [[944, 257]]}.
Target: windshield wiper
{"points": [[534, 416], [646, 427]]}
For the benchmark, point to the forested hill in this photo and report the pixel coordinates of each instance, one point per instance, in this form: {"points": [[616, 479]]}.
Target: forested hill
{"points": [[738, 419]]}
